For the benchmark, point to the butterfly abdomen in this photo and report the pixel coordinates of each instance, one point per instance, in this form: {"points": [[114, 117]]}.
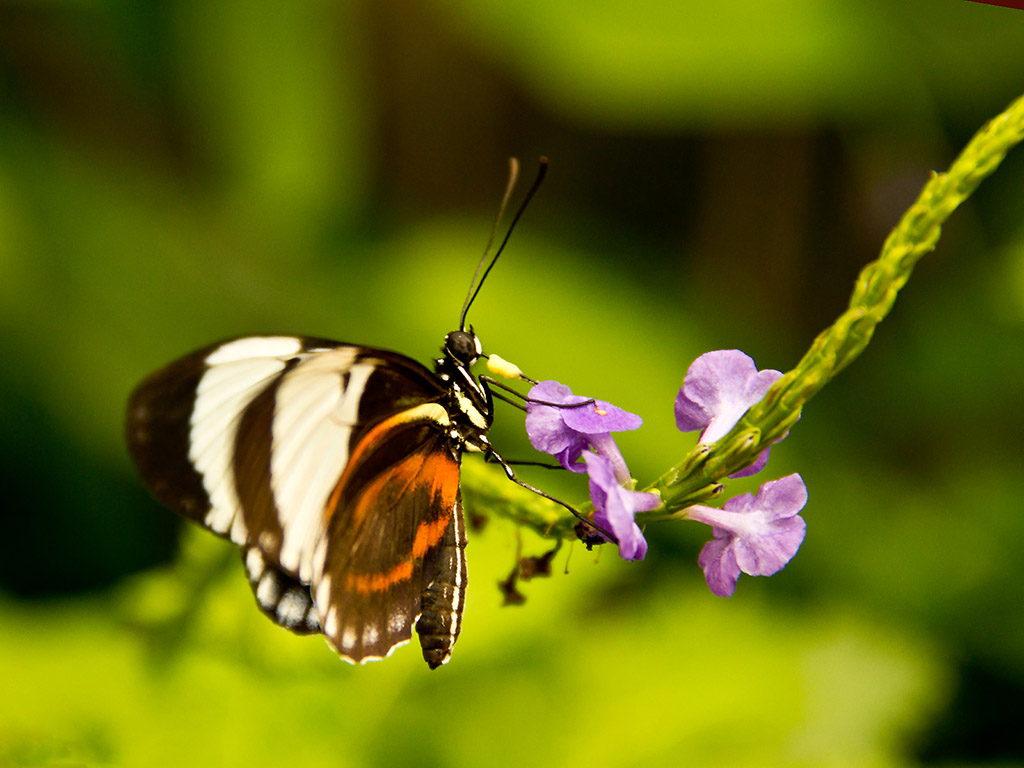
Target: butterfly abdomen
{"points": [[443, 599]]}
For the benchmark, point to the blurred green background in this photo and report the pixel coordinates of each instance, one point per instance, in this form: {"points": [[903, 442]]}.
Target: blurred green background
{"points": [[176, 172]]}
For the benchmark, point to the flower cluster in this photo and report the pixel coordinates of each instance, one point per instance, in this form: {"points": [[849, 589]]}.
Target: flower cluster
{"points": [[756, 534]]}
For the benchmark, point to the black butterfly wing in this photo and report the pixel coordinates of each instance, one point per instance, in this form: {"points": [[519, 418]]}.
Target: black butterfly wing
{"points": [[250, 438]]}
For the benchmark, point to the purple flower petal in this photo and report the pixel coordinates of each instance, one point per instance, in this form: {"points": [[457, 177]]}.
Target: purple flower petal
{"points": [[606, 446], [547, 429], [757, 535], [616, 507], [721, 570], [552, 391], [756, 467], [566, 432], [600, 417], [718, 389]]}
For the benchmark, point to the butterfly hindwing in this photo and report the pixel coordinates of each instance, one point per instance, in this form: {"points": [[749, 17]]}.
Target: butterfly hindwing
{"points": [[395, 540]]}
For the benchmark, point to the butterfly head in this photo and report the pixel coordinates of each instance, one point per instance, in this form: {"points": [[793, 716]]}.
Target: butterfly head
{"points": [[463, 347]]}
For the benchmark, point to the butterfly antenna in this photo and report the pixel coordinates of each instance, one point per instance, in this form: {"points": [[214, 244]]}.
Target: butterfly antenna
{"points": [[513, 176]]}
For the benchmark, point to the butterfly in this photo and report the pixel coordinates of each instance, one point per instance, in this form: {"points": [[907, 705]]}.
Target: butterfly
{"points": [[334, 468]]}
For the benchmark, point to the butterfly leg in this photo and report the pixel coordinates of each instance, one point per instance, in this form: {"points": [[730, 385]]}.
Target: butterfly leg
{"points": [[493, 456]]}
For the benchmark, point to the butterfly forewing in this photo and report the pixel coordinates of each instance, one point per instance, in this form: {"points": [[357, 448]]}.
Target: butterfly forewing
{"points": [[183, 420], [333, 469]]}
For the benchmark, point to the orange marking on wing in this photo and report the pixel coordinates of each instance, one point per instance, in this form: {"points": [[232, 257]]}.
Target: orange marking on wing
{"points": [[399, 477], [440, 472], [443, 470], [332, 501], [378, 582], [437, 470], [428, 534], [417, 414]]}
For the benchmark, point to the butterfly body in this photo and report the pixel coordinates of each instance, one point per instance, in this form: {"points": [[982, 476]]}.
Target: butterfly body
{"points": [[335, 469]]}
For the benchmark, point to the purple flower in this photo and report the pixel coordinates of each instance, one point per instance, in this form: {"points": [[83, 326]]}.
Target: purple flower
{"points": [[616, 506], [757, 535], [571, 427], [718, 389], [566, 432]]}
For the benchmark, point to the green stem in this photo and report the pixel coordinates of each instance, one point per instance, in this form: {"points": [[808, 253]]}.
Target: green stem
{"points": [[839, 345], [696, 478]]}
